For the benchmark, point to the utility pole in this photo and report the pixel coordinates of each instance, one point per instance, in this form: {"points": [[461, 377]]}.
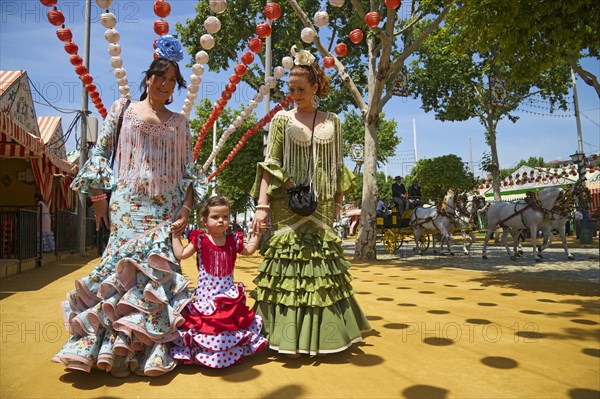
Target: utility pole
{"points": [[471, 155], [83, 153]]}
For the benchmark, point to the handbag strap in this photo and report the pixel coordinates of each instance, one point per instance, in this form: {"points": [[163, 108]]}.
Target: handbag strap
{"points": [[118, 132], [312, 134]]}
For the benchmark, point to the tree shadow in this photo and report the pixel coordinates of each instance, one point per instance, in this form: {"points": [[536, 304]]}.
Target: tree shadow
{"points": [[524, 282]]}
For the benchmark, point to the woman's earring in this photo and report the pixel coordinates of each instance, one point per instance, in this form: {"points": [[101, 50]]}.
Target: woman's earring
{"points": [[171, 99], [316, 100]]}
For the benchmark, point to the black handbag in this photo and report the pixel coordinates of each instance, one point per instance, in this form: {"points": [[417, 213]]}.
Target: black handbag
{"points": [[302, 198]]}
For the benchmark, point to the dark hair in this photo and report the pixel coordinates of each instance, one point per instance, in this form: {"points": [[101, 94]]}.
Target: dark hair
{"points": [[217, 200], [159, 67], [314, 74], [398, 178], [38, 196]]}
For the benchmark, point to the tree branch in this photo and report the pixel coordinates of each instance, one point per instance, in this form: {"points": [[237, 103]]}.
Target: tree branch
{"points": [[588, 77], [361, 13]]}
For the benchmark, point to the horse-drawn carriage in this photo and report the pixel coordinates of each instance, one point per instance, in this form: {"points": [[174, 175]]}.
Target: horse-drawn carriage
{"points": [[395, 229]]}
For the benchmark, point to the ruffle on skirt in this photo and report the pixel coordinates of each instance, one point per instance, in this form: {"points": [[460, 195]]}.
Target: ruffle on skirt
{"points": [[304, 293], [123, 314], [220, 332]]}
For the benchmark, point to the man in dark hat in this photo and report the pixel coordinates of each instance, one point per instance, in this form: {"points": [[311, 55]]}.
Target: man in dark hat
{"points": [[414, 194], [399, 194]]}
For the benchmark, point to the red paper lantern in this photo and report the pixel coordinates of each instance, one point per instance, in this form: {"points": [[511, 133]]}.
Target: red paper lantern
{"points": [[80, 69], [97, 101], [161, 27], [255, 44], [235, 79], [328, 62], [162, 8], [49, 3], [372, 19], [94, 94], [272, 11], [90, 87], [356, 36], [222, 102], [56, 17], [230, 87], [154, 43], [263, 30], [86, 78], [76, 59], [393, 4], [247, 57], [226, 95], [341, 49], [64, 34], [71, 47], [285, 103], [240, 70]]}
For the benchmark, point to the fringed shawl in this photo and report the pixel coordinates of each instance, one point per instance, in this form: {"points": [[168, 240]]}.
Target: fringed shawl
{"points": [[217, 261], [151, 158], [327, 154]]}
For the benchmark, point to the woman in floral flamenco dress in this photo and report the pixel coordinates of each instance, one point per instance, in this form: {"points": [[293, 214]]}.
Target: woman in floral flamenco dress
{"points": [[219, 329], [124, 314]]}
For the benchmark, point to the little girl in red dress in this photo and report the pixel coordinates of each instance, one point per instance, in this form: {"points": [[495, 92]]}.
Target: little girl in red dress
{"points": [[219, 328]]}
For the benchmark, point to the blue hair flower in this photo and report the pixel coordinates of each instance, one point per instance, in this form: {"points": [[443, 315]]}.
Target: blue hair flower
{"points": [[169, 47]]}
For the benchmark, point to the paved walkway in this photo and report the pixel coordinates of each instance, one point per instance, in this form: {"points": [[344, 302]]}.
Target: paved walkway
{"points": [[443, 327]]}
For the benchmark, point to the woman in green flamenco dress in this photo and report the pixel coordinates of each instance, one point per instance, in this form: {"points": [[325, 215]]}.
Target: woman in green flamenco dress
{"points": [[303, 290]]}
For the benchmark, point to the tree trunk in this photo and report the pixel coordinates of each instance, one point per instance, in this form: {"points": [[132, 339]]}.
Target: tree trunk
{"points": [[495, 162], [366, 240]]}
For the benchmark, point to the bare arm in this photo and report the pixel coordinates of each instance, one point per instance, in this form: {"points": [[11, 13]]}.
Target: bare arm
{"points": [[252, 245], [261, 216], [179, 251]]}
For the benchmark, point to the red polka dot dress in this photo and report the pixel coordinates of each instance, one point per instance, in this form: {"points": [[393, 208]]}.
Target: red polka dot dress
{"points": [[219, 328]]}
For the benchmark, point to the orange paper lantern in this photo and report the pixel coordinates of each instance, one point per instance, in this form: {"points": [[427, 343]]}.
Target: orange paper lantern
{"points": [[76, 59], [56, 17], [71, 48], [255, 44], [161, 27], [328, 62], [80, 69], [341, 49], [49, 3], [162, 8], [240, 69], [356, 36], [247, 57], [372, 19], [263, 30], [235, 79], [272, 11], [393, 4], [64, 34], [86, 78]]}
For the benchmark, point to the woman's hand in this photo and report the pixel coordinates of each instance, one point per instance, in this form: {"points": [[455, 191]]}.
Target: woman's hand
{"points": [[181, 221], [101, 212], [260, 221]]}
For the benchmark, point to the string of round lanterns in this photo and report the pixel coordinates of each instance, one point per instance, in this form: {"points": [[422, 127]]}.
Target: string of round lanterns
{"points": [[64, 34], [162, 9], [112, 36], [248, 134]]}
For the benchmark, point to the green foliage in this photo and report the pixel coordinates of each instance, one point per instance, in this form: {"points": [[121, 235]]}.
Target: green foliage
{"points": [[354, 133], [437, 175], [236, 180]]}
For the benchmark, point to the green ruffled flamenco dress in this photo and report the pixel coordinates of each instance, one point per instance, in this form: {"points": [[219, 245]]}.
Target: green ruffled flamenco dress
{"points": [[303, 290]]}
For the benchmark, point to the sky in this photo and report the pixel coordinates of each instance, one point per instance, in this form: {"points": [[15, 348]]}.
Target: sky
{"points": [[28, 41]]}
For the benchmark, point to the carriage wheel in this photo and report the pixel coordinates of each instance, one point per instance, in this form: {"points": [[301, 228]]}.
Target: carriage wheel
{"points": [[389, 242], [424, 241]]}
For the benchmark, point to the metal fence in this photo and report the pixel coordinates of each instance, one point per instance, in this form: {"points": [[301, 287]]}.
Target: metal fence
{"points": [[66, 231], [19, 238]]}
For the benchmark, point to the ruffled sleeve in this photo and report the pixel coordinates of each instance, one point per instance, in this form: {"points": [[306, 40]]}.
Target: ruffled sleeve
{"points": [[274, 157], [193, 175], [193, 237], [346, 181], [238, 236], [97, 173]]}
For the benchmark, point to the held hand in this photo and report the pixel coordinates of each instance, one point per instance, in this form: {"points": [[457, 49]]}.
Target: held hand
{"points": [[260, 221], [181, 221], [101, 212]]}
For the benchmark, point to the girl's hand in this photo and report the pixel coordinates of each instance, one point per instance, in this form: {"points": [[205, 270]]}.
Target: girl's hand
{"points": [[181, 221], [101, 212], [260, 221]]}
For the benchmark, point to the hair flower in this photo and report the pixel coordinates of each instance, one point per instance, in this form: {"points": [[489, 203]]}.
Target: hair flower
{"points": [[304, 57], [169, 47]]}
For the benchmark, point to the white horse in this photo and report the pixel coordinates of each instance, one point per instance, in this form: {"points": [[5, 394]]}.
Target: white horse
{"points": [[432, 218], [519, 215], [468, 207]]}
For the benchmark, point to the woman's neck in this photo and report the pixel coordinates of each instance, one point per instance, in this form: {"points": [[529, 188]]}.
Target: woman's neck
{"points": [[155, 105], [305, 110]]}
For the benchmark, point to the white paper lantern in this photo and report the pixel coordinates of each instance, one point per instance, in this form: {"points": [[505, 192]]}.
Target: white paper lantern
{"points": [[287, 62], [321, 18], [336, 3], [252, 104], [104, 4], [258, 97], [271, 81], [192, 96], [124, 89], [122, 81], [187, 109], [264, 90], [193, 88], [112, 35], [207, 41], [195, 79], [114, 49], [231, 128], [307, 35], [108, 20], [198, 69], [187, 102], [120, 73], [237, 122], [278, 72], [212, 24], [218, 6], [201, 58], [116, 62]]}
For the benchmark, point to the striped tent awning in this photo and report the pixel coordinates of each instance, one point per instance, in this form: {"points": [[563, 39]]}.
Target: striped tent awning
{"points": [[16, 142]]}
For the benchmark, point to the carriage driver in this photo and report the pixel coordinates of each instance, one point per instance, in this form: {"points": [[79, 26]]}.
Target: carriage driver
{"points": [[399, 194], [414, 194]]}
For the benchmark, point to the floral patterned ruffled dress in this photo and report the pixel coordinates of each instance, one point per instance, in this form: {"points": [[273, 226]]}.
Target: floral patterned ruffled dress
{"points": [[123, 315], [219, 328], [303, 290]]}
